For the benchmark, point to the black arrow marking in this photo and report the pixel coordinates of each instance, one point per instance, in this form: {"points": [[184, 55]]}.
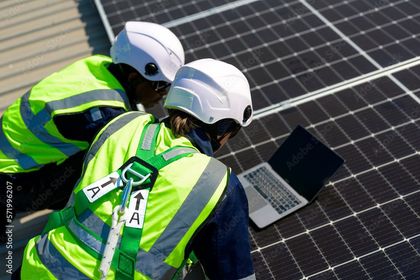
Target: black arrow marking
{"points": [[139, 197], [111, 180]]}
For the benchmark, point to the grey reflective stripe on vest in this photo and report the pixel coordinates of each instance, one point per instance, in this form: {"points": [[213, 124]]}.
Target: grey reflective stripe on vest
{"points": [[86, 238], [94, 223], [176, 152], [148, 138], [250, 277], [36, 125], [25, 161], [52, 259], [111, 129], [152, 263], [90, 96]]}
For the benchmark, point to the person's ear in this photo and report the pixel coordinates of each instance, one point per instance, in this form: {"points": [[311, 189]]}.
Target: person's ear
{"points": [[132, 76], [224, 138]]}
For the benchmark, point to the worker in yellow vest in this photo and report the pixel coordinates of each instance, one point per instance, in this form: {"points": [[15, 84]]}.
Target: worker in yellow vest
{"points": [[151, 191], [45, 133]]}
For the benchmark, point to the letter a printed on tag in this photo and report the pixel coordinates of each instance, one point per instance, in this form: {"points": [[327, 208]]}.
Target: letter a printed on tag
{"points": [[137, 209], [101, 187]]}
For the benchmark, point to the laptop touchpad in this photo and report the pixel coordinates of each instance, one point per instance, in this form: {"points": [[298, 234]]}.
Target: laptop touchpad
{"points": [[255, 200]]}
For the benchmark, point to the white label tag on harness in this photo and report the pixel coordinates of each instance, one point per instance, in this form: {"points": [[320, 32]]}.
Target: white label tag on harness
{"points": [[137, 209], [101, 187]]}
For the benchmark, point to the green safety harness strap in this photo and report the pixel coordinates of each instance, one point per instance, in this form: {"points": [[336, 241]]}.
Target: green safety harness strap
{"points": [[130, 240], [143, 164]]}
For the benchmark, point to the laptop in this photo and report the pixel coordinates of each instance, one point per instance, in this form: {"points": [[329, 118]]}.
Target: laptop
{"points": [[291, 179]]}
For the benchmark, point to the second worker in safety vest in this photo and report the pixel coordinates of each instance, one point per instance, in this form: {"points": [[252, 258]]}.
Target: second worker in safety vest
{"points": [[45, 133], [127, 221]]}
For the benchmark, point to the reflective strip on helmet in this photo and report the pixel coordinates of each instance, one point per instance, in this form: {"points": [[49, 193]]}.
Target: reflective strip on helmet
{"points": [[176, 152], [148, 138], [36, 123], [111, 129], [152, 263], [52, 259], [25, 161], [86, 238]]}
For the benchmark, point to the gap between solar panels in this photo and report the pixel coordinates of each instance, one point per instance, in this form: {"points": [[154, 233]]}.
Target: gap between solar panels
{"points": [[358, 258], [387, 71], [342, 219], [381, 72], [354, 45], [105, 21]]}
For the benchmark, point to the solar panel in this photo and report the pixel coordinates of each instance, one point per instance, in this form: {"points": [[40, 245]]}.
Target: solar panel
{"points": [[348, 72]]}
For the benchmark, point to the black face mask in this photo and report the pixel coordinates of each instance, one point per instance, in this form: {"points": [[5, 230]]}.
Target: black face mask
{"points": [[215, 145]]}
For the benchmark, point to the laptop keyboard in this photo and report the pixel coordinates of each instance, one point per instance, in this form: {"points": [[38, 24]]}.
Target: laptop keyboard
{"points": [[272, 189]]}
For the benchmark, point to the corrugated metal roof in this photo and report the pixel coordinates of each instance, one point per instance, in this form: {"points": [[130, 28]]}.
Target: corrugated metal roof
{"points": [[38, 37]]}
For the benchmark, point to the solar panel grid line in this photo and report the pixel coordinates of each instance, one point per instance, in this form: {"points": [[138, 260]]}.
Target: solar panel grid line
{"points": [[371, 59], [381, 144], [328, 23], [375, 134], [341, 238], [385, 120], [375, 168], [284, 105], [253, 31], [367, 103], [395, 80], [294, 75], [246, 17], [391, 160], [315, 245], [375, 27], [274, 81], [342, 35], [261, 65], [355, 258], [333, 222], [379, 128], [394, 5], [290, 18], [209, 12], [294, 259], [282, 22], [358, 258], [357, 217], [344, 178], [349, 113], [401, 85], [193, 17], [314, 79], [146, 4], [227, 46]]}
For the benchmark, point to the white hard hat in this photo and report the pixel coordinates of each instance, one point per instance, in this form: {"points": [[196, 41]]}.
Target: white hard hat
{"points": [[211, 90], [152, 49]]}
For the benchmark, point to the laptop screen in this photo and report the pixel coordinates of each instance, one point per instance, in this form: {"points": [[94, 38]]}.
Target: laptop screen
{"points": [[305, 163]]}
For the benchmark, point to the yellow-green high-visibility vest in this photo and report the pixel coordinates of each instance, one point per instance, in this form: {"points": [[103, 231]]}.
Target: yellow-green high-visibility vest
{"points": [[184, 195], [29, 138]]}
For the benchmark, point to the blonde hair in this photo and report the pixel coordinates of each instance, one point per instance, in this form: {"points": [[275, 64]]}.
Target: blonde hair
{"points": [[182, 123]]}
